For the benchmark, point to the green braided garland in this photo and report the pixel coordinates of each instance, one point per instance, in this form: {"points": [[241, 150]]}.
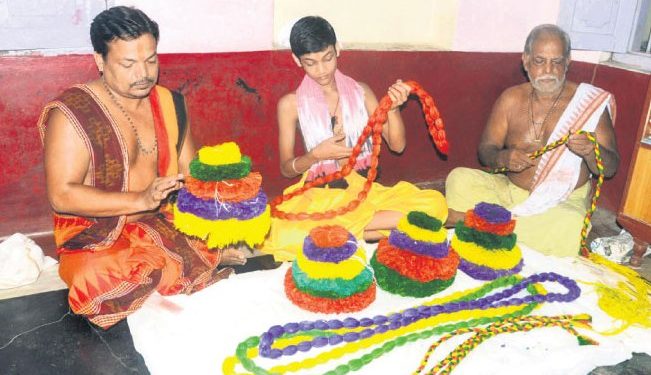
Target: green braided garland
{"points": [[395, 283], [205, 172], [488, 241]]}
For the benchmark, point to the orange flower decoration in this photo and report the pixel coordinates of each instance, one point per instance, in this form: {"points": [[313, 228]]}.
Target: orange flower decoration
{"points": [[236, 190], [415, 266], [329, 236], [476, 222]]}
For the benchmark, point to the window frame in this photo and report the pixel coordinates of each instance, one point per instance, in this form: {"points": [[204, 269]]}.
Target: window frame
{"points": [[632, 58]]}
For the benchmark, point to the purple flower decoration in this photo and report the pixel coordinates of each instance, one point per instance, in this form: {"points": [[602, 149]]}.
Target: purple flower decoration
{"points": [[478, 272], [329, 254], [492, 213], [402, 241], [213, 209]]}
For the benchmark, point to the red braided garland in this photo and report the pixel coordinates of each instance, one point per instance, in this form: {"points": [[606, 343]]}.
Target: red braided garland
{"points": [[374, 126]]}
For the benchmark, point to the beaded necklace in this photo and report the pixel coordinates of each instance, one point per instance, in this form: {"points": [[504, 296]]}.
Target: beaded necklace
{"points": [[141, 147], [401, 327], [538, 137], [333, 115]]}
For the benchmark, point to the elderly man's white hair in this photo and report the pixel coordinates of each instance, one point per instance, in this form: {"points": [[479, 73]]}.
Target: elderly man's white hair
{"points": [[548, 29]]}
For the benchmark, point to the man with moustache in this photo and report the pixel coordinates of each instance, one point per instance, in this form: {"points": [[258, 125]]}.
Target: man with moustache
{"points": [[549, 196], [114, 150]]}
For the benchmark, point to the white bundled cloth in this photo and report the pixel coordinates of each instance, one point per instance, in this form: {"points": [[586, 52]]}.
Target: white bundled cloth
{"points": [[21, 261]]}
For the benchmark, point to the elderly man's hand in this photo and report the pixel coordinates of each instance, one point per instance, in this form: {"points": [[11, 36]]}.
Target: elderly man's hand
{"points": [[515, 160], [581, 145]]}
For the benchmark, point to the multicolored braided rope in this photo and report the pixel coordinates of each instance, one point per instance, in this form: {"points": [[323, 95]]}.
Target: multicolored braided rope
{"points": [[585, 250], [514, 324], [374, 129]]}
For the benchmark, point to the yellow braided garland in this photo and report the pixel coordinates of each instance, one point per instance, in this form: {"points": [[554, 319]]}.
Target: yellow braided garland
{"points": [[346, 269], [499, 259]]}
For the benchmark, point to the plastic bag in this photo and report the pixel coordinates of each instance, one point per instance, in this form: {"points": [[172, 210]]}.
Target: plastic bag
{"points": [[618, 248]]}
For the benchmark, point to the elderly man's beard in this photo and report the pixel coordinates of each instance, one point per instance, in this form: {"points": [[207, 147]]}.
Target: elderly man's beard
{"points": [[547, 87]]}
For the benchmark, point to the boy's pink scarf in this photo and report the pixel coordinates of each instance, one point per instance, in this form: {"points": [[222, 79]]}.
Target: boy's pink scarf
{"points": [[314, 120]]}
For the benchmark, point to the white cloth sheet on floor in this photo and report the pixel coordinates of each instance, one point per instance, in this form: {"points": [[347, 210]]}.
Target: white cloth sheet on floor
{"points": [[193, 334]]}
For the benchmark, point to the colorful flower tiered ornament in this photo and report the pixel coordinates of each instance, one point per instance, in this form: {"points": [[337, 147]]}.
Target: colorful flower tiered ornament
{"points": [[416, 259], [330, 273], [222, 201], [486, 243]]}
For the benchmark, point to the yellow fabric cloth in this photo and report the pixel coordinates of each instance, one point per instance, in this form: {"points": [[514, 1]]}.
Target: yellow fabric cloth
{"points": [[557, 231], [286, 237]]}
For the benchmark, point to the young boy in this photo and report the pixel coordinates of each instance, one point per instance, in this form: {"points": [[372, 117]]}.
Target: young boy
{"points": [[331, 110]]}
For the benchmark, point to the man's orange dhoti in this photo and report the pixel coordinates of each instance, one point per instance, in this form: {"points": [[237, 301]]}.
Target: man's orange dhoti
{"points": [[112, 265]]}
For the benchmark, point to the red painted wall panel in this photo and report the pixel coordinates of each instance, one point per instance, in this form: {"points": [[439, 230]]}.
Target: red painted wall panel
{"points": [[233, 96]]}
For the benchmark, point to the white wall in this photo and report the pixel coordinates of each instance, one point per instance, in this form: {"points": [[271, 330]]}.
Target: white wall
{"points": [[203, 26], [375, 24], [210, 25], [56, 27], [503, 26]]}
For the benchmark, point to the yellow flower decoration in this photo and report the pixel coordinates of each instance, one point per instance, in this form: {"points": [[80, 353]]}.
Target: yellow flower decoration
{"points": [[420, 234], [225, 153], [498, 259], [346, 269], [221, 233]]}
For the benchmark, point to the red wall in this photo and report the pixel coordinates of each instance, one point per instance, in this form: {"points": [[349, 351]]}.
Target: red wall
{"points": [[232, 96]]}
